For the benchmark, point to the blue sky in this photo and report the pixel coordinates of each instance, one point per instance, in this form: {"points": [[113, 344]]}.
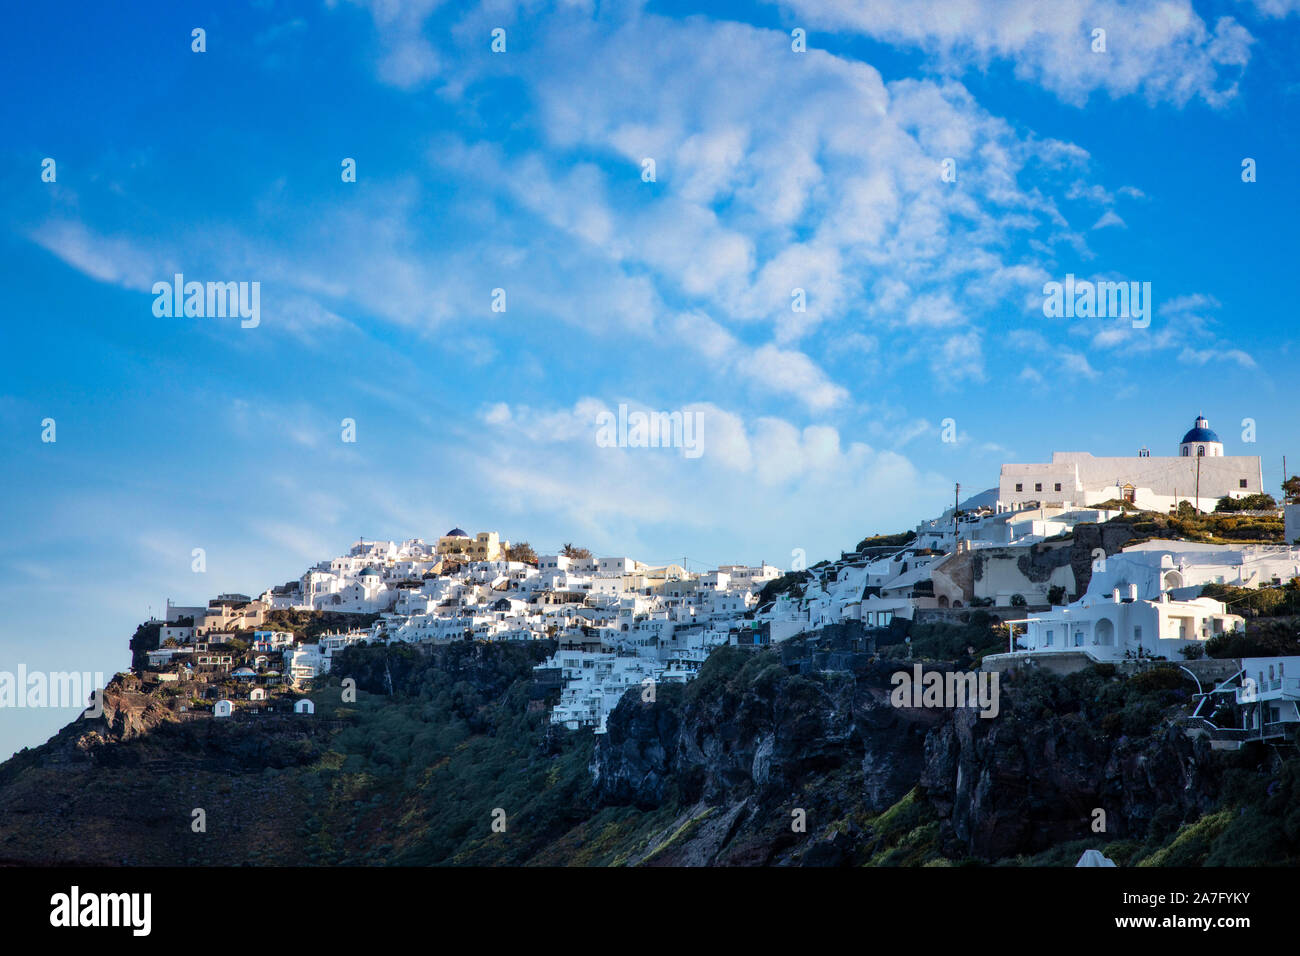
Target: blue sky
{"points": [[522, 170]]}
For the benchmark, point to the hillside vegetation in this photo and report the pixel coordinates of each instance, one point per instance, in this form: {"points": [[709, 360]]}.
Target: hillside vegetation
{"points": [[709, 773]]}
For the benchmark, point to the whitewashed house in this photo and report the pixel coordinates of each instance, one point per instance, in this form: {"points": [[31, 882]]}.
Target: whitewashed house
{"points": [[1269, 693], [1123, 626], [304, 663], [1259, 702]]}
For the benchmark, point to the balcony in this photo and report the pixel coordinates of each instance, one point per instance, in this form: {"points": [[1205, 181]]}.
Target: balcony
{"points": [[1274, 689]]}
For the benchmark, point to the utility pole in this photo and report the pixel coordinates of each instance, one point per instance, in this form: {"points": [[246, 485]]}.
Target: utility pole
{"points": [[1198, 484], [956, 532]]}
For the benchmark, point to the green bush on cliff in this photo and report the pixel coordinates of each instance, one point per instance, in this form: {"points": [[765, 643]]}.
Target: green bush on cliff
{"points": [[421, 771], [949, 641], [1188, 525], [1112, 704], [1265, 638], [1265, 601], [793, 584], [729, 669], [886, 540], [310, 625]]}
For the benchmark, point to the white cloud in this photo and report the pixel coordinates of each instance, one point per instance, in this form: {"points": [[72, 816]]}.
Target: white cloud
{"points": [[809, 487], [407, 60], [778, 173], [1205, 356], [1160, 49], [793, 373], [934, 310], [1277, 9], [768, 368], [960, 358], [1077, 364], [112, 259], [809, 174], [1185, 323]]}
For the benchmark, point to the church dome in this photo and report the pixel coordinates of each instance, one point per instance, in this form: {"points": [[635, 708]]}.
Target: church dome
{"points": [[371, 572], [455, 533], [1200, 432]]}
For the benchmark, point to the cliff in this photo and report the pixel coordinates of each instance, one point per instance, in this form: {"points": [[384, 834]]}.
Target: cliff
{"points": [[756, 762]]}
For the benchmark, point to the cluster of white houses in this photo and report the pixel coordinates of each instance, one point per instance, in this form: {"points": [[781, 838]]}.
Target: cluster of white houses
{"points": [[1009, 548], [620, 623], [616, 621]]}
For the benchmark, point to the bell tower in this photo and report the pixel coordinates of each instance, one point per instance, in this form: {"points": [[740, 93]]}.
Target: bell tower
{"points": [[1201, 442]]}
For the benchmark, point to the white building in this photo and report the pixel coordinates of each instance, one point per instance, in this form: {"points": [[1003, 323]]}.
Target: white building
{"points": [[1144, 601], [1201, 472], [612, 567], [1124, 626], [267, 641], [1259, 702], [305, 663], [1268, 693]]}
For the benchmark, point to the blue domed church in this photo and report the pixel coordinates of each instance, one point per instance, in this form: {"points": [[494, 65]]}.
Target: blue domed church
{"points": [[1201, 441], [1201, 473]]}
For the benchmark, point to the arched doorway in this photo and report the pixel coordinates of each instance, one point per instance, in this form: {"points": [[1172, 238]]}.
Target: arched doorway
{"points": [[1104, 633], [1173, 580]]}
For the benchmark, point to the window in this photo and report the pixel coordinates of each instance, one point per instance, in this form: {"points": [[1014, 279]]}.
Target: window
{"points": [[1058, 486], [1184, 452], [1020, 487], [1200, 451], [1241, 483], [1038, 486], [1137, 632], [1049, 639]]}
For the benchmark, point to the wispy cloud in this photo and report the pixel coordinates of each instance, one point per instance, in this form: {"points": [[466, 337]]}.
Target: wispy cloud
{"points": [[1160, 49]]}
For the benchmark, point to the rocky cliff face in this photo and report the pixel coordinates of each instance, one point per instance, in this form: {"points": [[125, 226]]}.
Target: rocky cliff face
{"points": [[1020, 786], [763, 741], [127, 712], [757, 746], [767, 758], [1110, 537]]}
